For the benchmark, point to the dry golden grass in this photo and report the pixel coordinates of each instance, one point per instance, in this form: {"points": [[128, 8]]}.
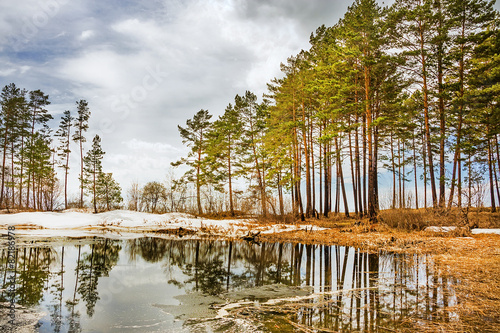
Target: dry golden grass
{"points": [[476, 267], [474, 261]]}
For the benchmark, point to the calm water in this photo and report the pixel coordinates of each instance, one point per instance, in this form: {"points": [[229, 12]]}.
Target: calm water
{"points": [[105, 285]]}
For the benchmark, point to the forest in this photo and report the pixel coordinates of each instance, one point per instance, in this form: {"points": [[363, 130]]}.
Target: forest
{"points": [[410, 91], [30, 157]]}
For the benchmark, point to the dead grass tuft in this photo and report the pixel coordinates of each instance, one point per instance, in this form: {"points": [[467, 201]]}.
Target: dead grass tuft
{"points": [[406, 219], [477, 268]]}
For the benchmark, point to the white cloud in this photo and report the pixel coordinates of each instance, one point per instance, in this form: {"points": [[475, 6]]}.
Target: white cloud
{"points": [[139, 146], [86, 34], [24, 69], [7, 71], [147, 66], [104, 69], [11, 69]]}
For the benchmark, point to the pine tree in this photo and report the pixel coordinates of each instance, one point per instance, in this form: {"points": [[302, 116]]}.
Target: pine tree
{"points": [[223, 149], [64, 134], [361, 28], [93, 168], [283, 124], [414, 31], [81, 126], [253, 119], [194, 136], [108, 192], [484, 96], [39, 116], [467, 19], [13, 103], [43, 177], [23, 133]]}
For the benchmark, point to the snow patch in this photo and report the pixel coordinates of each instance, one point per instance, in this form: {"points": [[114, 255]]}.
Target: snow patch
{"points": [[77, 223], [452, 228], [485, 231]]}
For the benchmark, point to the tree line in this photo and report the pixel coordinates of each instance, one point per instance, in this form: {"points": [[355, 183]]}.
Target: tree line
{"points": [[32, 152], [411, 90]]}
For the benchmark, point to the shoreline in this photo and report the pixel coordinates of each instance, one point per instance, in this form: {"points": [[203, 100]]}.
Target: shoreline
{"points": [[472, 259]]}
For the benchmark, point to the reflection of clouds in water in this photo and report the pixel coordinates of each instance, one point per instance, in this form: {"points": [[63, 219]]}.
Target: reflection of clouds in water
{"points": [[120, 281], [127, 276]]}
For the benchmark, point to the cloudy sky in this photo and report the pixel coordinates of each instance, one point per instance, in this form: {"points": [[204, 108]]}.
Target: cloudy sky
{"points": [[145, 66]]}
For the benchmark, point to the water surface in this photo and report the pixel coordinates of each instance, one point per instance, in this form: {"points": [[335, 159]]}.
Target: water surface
{"points": [[172, 285]]}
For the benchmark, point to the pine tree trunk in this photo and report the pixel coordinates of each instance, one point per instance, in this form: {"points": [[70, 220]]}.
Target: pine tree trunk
{"points": [[81, 171], [35, 201], [372, 213], [424, 159], [298, 201], [426, 119], [490, 169], [455, 162], [31, 172], [442, 118], [337, 189], [496, 177], [21, 174], [353, 172], [404, 181], [459, 181], [308, 167], [469, 200], [320, 162], [400, 193], [94, 188], [393, 165], [12, 174], [231, 206], [415, 171], [108, 201], [2, 193], [498, 152], [66, 172], [365, 171], [498, 170], [341, 176], [358, 171], [327, 181], [280, 196], [375, 170], [313, 183], [198, 187]]}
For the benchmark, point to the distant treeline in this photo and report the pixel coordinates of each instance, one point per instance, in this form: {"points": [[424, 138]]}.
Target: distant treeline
{"points": [[412, 89]]}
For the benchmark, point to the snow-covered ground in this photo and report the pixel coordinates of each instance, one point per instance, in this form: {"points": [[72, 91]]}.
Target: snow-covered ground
{"points": [[124, 223], [130, 224], [473, 231], [485, 231]]}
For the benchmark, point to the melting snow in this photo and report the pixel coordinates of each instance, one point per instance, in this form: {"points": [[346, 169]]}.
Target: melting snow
{"points": [[124, 222]]}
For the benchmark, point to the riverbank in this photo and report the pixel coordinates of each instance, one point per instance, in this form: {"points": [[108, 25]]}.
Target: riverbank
{"points": [[471, 259], [130, 224]]}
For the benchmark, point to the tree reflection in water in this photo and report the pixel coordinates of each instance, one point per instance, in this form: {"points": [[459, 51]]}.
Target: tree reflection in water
{"points": [[94, 265], [32, 273], [355, 291]]}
